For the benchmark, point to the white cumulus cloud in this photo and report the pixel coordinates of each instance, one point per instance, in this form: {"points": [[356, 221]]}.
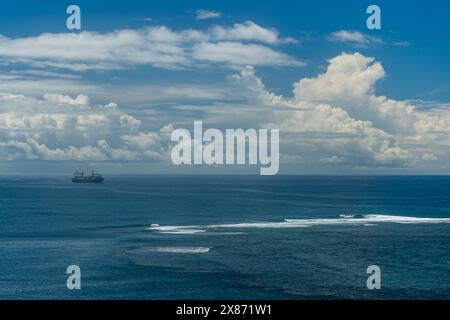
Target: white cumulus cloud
{"points": [[207, 14], [355, 37]]}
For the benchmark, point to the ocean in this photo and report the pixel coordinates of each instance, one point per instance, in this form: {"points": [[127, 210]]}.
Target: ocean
{"points": [[225, 237]]}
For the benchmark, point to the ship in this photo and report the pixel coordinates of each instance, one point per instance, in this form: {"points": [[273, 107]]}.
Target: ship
{"points": [[79, 177]]}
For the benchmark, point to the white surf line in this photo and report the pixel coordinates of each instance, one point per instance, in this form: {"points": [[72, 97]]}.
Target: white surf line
{"points": [[298, 223]]}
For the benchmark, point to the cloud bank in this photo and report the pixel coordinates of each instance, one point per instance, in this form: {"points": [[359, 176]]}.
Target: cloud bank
{"points": [[61, 128], [334, 119]]}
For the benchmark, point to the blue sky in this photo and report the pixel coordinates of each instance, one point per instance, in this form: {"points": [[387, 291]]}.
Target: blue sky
{"points": [[210, 79], [423, 24]]}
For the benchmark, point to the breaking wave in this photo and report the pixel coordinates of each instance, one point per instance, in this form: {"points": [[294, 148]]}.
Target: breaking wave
{"points": [[364, 220], [176, 229]]}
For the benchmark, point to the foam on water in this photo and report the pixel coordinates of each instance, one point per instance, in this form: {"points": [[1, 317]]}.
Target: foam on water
{"points": [[364, 220], [183, 249]]}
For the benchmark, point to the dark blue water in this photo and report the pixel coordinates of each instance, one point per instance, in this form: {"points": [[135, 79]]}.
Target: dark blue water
{"points": [[48, 223]]}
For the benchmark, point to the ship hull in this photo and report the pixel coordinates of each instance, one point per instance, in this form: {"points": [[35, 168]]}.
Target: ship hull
{"points": [[87, 181]]}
